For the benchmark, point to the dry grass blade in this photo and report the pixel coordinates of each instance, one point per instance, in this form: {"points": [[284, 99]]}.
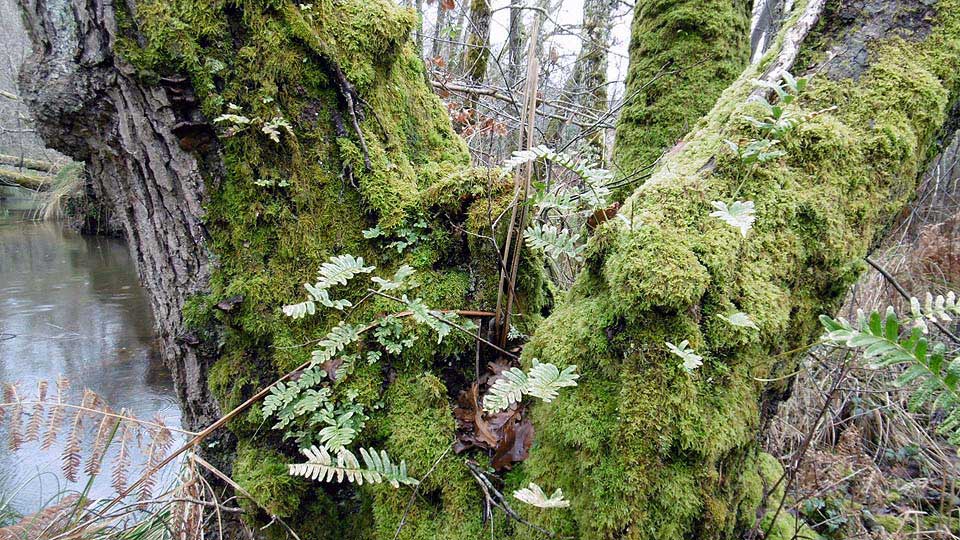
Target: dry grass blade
{"points": [[55, 420], [160, 444], [71, 456], [121, 461], [36, 417]]}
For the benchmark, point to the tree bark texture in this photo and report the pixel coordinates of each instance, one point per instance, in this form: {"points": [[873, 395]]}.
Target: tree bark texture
{"points": [[90, 106], [642, 448]]}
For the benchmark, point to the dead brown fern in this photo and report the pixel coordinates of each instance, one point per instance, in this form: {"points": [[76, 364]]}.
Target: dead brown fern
{"points": [[55, 419], [36, 417], [160, 444], [122, 434], [15, 425], [71, 450], [121, 461]]}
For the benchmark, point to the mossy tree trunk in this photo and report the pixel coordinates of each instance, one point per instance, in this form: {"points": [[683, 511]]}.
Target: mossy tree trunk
{"points": [[225, 229]]}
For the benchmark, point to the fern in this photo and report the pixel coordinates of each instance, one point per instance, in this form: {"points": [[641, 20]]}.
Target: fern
{"points": [[878, 336], [595, 179], [934, 309], [377, 467], [739, 215], [691, 360], [334, 342], [739, 319], [534, 495], [553, 241], [339, 270], [544, 380]]}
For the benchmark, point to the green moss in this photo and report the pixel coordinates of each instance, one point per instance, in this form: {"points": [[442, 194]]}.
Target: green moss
{"points": [[641, 448], [683, 54], [263, 473]]}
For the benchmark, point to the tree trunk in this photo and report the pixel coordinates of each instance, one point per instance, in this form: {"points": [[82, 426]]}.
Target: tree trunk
{"points": [[95, 109], [477, 51], [642, 448], [587, 85], [514, 44], [683, 54]]}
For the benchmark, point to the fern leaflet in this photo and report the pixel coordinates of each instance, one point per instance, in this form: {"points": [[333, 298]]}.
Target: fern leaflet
{"points": [[377, 467]]}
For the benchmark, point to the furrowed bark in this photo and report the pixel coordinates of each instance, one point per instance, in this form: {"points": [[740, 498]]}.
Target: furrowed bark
{"points": [[89, 105]]}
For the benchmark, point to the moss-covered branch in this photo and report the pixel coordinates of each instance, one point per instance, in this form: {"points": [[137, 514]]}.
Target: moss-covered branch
{"points": [[683, 54], [26, 181], [646, 450]]}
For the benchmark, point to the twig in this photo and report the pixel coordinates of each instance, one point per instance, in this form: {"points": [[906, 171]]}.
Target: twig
{"points": [[494, 496], [219, 474]]}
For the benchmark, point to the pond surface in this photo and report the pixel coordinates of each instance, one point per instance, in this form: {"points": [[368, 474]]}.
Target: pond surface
{"points": [[72, 306]]}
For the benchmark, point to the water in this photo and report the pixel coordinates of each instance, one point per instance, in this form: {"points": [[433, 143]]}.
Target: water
{"points": [[72, 306]]}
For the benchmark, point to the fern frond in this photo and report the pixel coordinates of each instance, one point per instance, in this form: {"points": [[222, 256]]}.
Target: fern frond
{"points": [[100, 443], [36, 416], [14, 426], [554, 241], [880, 341], [436, 320], [339, 270], [595, 192], [377, 468], [534, 495], [160, 443], [508, 389], [71, 451], [545, 380], [691, 360], [55, 418], [334, 342], [739, 215], [121, 461]]}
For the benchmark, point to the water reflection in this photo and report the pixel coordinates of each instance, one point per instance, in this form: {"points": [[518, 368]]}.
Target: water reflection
{"points": [[74, 307]]}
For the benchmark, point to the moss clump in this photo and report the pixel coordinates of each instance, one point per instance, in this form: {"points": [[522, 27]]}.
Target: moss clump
{"points": [[263, 473]]}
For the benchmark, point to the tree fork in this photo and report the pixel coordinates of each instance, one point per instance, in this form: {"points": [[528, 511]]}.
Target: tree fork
{"points": [[641, 448]]}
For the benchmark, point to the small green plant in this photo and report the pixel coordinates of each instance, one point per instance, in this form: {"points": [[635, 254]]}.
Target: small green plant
{"points": [[535, 496], [542, 381], [879, 338], [691, 360], [739, 215]]}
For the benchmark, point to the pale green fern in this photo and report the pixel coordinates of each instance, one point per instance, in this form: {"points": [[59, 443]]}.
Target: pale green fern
{"points": [[556, 242], [534, 495], [376, 468], [544, 380]]}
